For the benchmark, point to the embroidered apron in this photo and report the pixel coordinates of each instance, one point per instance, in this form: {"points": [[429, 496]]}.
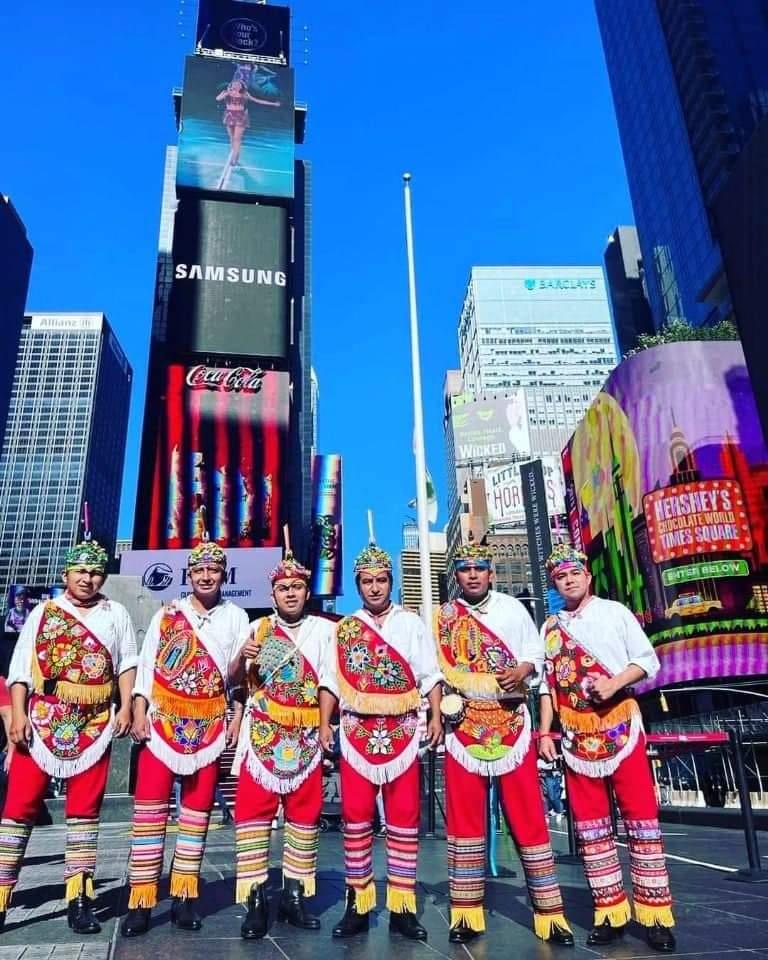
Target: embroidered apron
{"points": [[494, 734], [595, 737], [280, 740], [70, 704], [381, 701], [188, 700]]}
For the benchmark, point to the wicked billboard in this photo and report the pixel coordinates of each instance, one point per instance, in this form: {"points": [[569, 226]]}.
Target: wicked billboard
{"points": [[667, 492]]}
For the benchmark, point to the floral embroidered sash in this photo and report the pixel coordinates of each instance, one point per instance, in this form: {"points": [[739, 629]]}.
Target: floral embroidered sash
{"points": [[374, 679], [189, 703], [592, 733], [70, 656], [282, 681]]}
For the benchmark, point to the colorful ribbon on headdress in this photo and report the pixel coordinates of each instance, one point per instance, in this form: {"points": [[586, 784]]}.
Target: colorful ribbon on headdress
{"points": [[565, 556], [207, 553], [87, 555]]}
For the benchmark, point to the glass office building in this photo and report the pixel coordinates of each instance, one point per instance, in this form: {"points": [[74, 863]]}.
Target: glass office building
{"points": [[64, 444], [16, 258]]}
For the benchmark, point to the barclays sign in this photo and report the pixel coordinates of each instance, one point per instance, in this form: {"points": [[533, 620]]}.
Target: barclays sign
{"points": [[561, 283]]}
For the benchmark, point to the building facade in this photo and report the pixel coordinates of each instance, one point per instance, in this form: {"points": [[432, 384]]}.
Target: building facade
{"points": [[16, 254], [64, 444], [410, 569], [630, 309]]}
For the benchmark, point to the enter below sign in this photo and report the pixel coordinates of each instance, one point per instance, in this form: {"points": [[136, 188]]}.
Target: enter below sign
{"points": [[711, 569]]}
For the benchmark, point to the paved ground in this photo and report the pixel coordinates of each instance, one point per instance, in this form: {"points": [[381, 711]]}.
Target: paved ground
{"points": [[717, 916]]}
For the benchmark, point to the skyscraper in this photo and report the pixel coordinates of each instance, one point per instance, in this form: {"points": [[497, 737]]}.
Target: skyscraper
{"points": [[623, 271], [64, 444], [16, 258], [410, 569], [690, 85]]}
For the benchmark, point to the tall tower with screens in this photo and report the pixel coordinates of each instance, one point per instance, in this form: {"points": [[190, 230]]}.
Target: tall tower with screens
{"points": [[227, 425]]}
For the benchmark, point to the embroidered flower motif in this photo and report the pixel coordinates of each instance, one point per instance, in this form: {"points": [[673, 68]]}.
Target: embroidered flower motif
{"points": [[387, 673], [186, 682], [566, 671], [380, 649], [309, 690], [587, 661], [591, 745], [41, 712], [380, 742], [94, 665], [286, 755], [358, 658], [63, 654], [617, 732], [66, 736], [187, 733], [262, 733]]}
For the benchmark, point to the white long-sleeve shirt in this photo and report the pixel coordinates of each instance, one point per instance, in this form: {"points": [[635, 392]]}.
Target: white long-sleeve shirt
{"points": [[404, 632], [510, 621], [108, 621], [608, 631], [223, 630], [314, 640]]}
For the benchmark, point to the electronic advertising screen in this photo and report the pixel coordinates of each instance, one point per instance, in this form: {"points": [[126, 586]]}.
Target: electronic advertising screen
{"points": [[22, 599], [667, 492], [220, 458], [326, 563], [229, 292], [237, 128], [242, 26]]}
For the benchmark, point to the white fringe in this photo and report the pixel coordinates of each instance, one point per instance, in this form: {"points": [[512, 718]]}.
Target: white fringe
{"points": [[492, 768], [383, 772], [604, 768], [259, 773], [243, 741], [61, 769], [183, 764]]}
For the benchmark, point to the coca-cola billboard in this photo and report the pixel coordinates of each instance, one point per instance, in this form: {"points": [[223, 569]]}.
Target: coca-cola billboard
{"points": [[219, 458]]}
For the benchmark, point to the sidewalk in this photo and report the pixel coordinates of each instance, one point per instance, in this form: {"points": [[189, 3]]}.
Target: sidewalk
{"points": [[717, 917]]}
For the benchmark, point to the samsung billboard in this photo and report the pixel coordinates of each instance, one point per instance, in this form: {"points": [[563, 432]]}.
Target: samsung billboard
{"points": [[229, 293]]}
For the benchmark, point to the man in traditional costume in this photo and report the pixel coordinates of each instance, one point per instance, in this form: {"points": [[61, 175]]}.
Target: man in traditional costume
{"points": [[488, 650], [595, 650], [69, 655], [279, 757], [385, 664], [179, 717]]}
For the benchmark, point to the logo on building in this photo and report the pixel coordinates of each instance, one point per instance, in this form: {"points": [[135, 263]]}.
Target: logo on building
{"points": [[561, 283], [244, 34], [208, 271], [157, 576], [236, 379]]}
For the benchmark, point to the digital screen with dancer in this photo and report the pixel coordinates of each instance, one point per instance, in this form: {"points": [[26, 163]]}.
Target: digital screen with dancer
{"points": [[237, 128]]}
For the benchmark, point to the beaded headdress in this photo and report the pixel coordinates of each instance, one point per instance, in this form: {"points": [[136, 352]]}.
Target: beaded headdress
{"points": [[472, 554], [87, 555], [289, 567], [564, 556], [208, 552]]}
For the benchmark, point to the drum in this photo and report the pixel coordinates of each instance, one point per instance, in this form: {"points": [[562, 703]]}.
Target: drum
{"points": [[452, 708]]}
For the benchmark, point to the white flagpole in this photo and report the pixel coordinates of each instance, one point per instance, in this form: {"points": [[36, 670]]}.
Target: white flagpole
{"points": [[418, 421]]}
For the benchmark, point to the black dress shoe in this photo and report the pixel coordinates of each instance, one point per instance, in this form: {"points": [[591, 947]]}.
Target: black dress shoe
{"points": [[660, 938], [2, 920], [461, 933], [80, 916], [254, 927], [184, 914], [292, 910], [603, 934], [352, 922], [560, 936], [407, 925], [136, 922]]}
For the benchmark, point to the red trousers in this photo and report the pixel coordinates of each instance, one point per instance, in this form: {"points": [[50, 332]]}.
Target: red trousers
{"points": [[27, 784], [633, 788], [466, 824], [253, 801], [154, 781]]}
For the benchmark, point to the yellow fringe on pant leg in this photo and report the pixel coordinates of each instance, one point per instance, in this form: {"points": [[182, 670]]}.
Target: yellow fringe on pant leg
{"points": [[401, 901], [646, 916], [543, 925], [617, 916], [365, 899], [142, 895], [183, 885], [75, 886], [310, 885], [472, 917], [243, 889], [5, 897]]}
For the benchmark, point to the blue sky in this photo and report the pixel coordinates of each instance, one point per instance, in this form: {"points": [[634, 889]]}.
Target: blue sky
{"points": [[502, 113]]}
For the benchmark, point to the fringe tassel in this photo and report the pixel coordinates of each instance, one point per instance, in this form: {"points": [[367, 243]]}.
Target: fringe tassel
{"points": [[484, 686], [472, 917], [378, 704], [184, 885], [63, 769], [381, 773], [310, 886], [185, 764], [543, 925], [365, 899], [143, 895], [647, 915], [594, 723], [194, 708], [86, 694], [259, 773], [617, 916], [492, 768], [5, 897], [604, 768], [74, 886], [289, 716], [243, 889], [400, 901]]}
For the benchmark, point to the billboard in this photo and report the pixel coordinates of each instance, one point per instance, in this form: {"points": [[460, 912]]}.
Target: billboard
{"points": [[237, 128], [495, 428], [326, 563], [667, 492], [164, 573], [242, 26], [539, 536], [504, 491], [229, 292], [219, 457], [22, 600]]}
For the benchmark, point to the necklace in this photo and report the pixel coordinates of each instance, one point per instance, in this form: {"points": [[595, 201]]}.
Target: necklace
{"points": [[290, 625], [481, 606]]}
